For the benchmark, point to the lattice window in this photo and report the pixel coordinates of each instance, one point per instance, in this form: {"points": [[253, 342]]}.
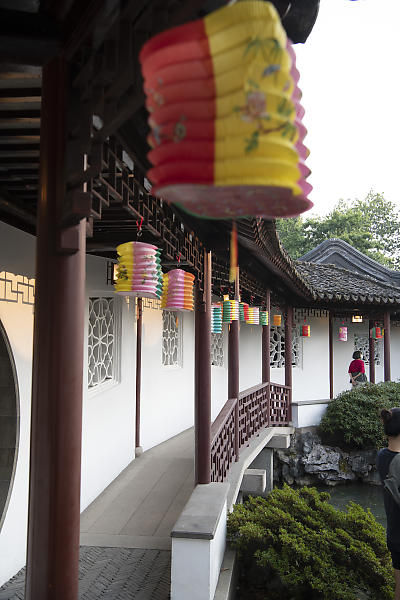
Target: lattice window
{"points": [[217, 349], [361, 342], [102, 347], [277, 348], [172, 339]]}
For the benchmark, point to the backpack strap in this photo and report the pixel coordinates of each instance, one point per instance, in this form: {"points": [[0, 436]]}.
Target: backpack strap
{"points": [[392, 479]]}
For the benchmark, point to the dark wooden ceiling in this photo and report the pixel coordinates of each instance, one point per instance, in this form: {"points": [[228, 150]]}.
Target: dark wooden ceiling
{"points": [[101, 40]]}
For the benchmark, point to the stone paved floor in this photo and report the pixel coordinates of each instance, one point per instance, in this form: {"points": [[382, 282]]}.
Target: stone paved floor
{"points": [[112, 574]]}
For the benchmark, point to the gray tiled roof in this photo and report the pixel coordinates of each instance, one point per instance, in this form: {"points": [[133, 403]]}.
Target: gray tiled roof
{"points": [[334, 284]]}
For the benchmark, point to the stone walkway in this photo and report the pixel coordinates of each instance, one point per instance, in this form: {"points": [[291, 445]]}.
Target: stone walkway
{"points": [[112, 574], [125, 533]]}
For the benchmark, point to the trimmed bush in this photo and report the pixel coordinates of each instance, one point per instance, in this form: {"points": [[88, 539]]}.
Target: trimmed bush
{"points": [[295, 545], [352, 418]]}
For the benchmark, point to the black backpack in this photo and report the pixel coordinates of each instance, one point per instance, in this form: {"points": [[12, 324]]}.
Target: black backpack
{"points": [[392, 479]]}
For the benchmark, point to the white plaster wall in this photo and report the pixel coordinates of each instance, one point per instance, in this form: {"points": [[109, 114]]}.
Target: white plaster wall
{"points": [[311, 379], [108, 416], [108, 427], [250, 365], [395, 353], [219, 381], [17, 256], [343, 351], [167, 394]]}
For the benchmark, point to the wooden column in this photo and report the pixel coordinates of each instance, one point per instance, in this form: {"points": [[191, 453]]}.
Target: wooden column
{"points": [[233, 366], [288, 355], [386, 344], [266, 340], [371, 354], [331, 372], [56, 423], [203, 378], [139, 327]]}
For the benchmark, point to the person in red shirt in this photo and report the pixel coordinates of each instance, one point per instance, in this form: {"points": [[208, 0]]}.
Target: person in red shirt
{"points": [[357, 369]]}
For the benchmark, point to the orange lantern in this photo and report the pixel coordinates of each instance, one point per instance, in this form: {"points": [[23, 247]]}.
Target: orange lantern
{"points": [[306, 331], [225, 118], [277, 320]]}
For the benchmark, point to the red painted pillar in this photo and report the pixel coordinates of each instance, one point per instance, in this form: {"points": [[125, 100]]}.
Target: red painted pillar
{"points": [[331, 372], [203, 378], [266, 342], [288, 355], [139, 327], [233, 367], [55, 466], [371, 354], [386, 345]]}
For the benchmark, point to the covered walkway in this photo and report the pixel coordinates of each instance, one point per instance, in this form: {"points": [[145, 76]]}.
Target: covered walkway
{"points": [[141, 506], [125, 533]]}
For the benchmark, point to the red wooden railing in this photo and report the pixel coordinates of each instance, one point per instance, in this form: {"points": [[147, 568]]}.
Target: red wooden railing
{"points": [[267, 404]]}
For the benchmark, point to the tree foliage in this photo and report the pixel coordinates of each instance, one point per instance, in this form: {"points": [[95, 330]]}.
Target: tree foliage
{"points": [[352, 418], [294, 544], [371, 225]]}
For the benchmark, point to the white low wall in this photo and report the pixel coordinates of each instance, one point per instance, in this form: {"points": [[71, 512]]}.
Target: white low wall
{"points": [[198, 543], [307, 414]]}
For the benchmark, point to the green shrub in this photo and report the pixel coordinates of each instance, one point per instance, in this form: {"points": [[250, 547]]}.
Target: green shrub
{"points": [[295, 545], [352, 418]]}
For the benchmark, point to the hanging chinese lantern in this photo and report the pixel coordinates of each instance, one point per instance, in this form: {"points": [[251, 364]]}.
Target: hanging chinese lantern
{"points": [[305, 331], [342, 334], [376, 333], [230, 311], [216, 318], [264, 317], [226, 312], [277, 320], [177, 290], [254, 315], [234, 310], [245, 307], [225, 118], [139, 270]]}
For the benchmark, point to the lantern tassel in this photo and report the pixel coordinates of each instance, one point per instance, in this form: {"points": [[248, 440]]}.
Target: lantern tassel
{"points": [[233, 254]]}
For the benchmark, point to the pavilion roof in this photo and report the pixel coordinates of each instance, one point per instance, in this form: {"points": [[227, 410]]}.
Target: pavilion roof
{"points": [[330, 283]]}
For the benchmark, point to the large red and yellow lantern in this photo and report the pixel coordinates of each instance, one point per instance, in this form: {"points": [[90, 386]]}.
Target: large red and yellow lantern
{"points": [[226, 122]]}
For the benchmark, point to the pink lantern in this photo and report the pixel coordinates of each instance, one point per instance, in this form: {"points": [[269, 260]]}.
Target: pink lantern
{"points": [[177, 290], [342, 334]]}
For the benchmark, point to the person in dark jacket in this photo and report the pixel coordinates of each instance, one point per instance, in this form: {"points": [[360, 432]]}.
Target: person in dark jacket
{"points": [[391, 425]]}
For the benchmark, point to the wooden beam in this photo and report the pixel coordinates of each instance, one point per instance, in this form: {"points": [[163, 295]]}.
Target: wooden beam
{"points": [[27, 146], [10, 206], [21, 92], [19, 136], [16, 117], [25, 39]]}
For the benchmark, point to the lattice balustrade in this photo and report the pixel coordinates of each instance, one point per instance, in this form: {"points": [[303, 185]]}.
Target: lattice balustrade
{"points": [[253, 412], [267, 404], [223, 442], [279, 405]]}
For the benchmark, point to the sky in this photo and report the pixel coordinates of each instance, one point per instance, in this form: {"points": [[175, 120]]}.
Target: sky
{"points": [[349, 76]]}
